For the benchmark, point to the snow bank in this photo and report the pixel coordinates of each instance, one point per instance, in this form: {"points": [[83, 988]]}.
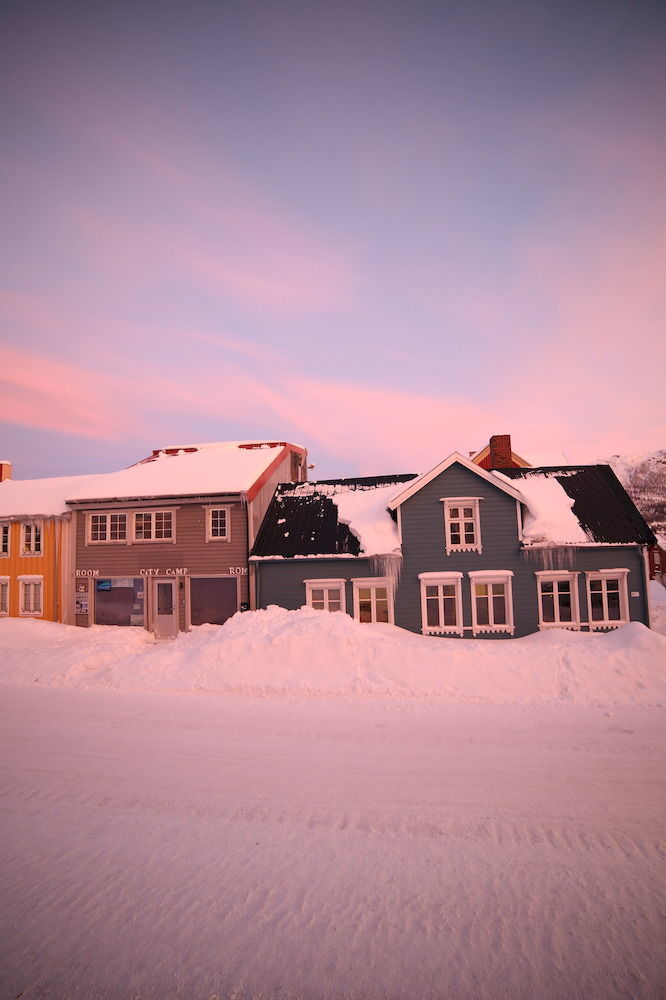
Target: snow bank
{"points": [[311, 652]]}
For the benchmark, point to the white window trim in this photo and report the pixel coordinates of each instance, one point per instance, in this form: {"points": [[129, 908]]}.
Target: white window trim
{"points": [[311, 585], [553, 576], [209, 521], [154, 541], [372, 582], [5, 526], [4, 582], [31, 579], [493, 576], [472, 502], [36, 523], [605, 574], [107, 515], [435, 580]]}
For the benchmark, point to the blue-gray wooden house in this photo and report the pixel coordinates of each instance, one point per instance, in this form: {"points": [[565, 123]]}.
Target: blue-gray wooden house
{"points": [[460, 551]]}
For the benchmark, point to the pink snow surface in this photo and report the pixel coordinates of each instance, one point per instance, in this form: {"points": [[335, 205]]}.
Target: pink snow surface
{"points": [[313, 809]]}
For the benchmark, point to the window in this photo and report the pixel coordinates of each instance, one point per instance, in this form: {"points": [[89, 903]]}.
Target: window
{"points": [[218, 524], [441, 603], [30, 595], [31, 538], [373, 600], [558, 599], [461, 524], [492, 601], [107, 528], [153, 526], [4, 539], [4, 595], [325, 595], [607, 598]]}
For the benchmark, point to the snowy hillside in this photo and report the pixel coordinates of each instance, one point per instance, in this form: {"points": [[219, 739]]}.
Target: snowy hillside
{"points": [[644, 478]]}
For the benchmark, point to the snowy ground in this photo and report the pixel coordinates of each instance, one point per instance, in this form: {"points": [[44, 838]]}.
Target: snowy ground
{"points": [[366, 841]]}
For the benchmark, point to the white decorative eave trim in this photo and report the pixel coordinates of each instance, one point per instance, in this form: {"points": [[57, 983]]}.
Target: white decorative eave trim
{"points": [[489, 574], [455, 458]]}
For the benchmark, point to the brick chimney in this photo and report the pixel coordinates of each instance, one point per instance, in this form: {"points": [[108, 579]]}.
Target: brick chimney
{"points": [[500, 452], [5, 470]]}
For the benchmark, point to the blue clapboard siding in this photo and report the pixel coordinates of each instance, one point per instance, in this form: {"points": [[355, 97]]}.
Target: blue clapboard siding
{"points": [[424, 550]]}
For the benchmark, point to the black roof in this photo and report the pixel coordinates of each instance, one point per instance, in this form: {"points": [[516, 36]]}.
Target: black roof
{"points": [[302, 520], [602, 505]]}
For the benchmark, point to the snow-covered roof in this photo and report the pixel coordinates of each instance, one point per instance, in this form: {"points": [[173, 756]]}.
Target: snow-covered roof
{"points": [[454, 458], [220, 467], [550, 519], [40, 497]]}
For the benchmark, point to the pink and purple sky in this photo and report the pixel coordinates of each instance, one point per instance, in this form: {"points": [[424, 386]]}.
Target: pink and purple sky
{"points": [[383, 230]]}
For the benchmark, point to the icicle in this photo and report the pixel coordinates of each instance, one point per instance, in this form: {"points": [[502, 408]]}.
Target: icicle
{"points": [[389, 565]]}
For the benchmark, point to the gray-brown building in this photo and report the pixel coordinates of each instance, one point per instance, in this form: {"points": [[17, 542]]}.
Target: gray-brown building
{"points": [[164, 544]]}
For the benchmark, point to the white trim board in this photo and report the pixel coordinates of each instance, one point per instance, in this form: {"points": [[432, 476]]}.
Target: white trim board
{"points": [[455, 458]]}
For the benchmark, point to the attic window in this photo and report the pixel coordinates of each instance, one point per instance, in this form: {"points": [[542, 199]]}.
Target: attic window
{"points": [[462, 526]]}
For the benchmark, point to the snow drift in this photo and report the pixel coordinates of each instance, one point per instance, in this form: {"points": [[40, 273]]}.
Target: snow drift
{"points": [[311, 652]]}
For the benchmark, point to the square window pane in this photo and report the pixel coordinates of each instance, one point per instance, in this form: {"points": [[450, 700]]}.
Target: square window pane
{"points": [[318, 595], [431, 591], [382, 611], [468, 512], [448, 590], [547, 587], [333, 605], [481, 589], [454, 512], [364, 594], [455, 538], [595, 586]]}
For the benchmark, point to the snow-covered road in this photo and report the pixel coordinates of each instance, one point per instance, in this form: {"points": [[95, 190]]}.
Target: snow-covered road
{"points": [[229, 846]]}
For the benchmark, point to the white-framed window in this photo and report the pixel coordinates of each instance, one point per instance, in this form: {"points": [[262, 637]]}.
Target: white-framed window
{"points": [[492, 601], [607, 598], [373, 599], [154, 526], [558, 599], [31, 538], [218, 524], [4, 539], [4, 595], [441, 603], [30, 595], [106, 528], [325, 595], [462, 524]]}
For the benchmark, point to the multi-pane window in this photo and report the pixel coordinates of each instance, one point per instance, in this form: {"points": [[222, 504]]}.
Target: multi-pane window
{"points": [[441, 603], [153, 526], [4, 539], [107, 527], [30, 595], [461, 524], [558, 599], [373, 600], [325, 595], [492, 603], [31, 538], [607, 597], [218, 523], [4, 595]]}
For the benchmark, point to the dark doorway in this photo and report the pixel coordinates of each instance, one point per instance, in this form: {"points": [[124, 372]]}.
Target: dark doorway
{"points": [[212, 599]]}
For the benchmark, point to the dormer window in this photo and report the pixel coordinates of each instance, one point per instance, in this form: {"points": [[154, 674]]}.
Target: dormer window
{"points": [[462, 527]]}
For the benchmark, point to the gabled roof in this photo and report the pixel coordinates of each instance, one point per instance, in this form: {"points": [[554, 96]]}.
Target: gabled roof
{"points": [[332, 517], [601, 505], [482, 455], [191, 470], [420, 481]]}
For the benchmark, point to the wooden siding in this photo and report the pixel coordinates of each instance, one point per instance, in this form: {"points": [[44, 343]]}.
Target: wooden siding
{"points": [[44, 565], [281, 582], [190, 552]]}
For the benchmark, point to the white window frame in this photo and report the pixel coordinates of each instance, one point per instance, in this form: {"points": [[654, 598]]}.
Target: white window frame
{"points": [[604, 575], [30, 582], [439, 580], [492, 577], [326, 585], [152, 540], [372, 582], [557, 576], [463, 546], [5, 539], [210, 537], [36, 533], [108, 515], [4, 602]]}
